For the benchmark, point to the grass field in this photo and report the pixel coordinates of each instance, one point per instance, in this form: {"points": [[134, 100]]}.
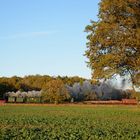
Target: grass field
{"points": [[75, 122]]}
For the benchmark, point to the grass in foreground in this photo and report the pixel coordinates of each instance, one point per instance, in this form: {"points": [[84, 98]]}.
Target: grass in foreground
{"points": [[69, 122]]}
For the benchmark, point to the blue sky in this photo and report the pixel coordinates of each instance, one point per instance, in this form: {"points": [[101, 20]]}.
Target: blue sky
{"points": [[45, 36]]}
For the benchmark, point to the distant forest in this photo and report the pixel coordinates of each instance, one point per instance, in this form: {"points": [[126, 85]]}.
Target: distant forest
{"points": [[59, 89], [36, 82]]}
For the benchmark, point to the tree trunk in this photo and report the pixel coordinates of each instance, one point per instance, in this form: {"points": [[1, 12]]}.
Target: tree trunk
{"points": [[133, 87]]}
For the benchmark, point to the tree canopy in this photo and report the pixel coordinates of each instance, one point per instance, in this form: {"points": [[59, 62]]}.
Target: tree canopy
{"points": [[55, 92], [32, 82], [113, 45]]}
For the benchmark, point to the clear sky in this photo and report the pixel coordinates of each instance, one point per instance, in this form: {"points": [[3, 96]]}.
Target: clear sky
{"points": [[45, 36]]}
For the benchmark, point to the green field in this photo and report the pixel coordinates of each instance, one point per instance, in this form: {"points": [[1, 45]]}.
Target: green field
{"points": [[23, 122]]}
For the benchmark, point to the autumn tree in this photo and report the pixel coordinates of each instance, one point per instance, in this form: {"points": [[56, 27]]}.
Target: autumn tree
{"points": [[55, 92], [113, 45]]}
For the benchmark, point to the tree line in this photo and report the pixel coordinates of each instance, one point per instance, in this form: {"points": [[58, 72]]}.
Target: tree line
{"points": [[56, 91], [33, 82]]}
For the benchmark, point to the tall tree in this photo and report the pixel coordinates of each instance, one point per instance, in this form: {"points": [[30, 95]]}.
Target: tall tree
{"points": [[113, 45], [55, 92]]}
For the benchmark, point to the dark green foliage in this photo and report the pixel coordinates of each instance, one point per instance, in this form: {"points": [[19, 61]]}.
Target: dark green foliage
{"points": [[5, 87]]}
